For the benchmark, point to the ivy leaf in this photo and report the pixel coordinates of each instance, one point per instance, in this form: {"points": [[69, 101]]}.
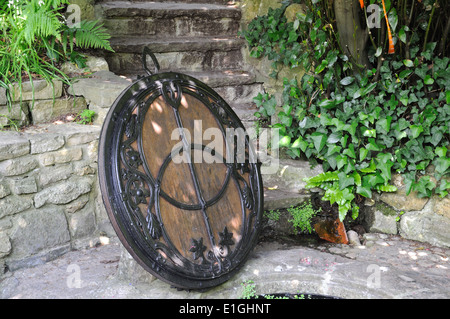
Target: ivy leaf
{"points": [[441, 151], [284, 141], [428, 80], [328, 104], [347, 80], [350, 151], [408, 63], [364, 191], [385, 124], [385, 168], [357, 178], [363, 154], [334, 138], [373, 146], [368, 89], [415, 131], [319, 140], [402, 34], [441, 164], [404, 74], [378, 52], [345, 180]]}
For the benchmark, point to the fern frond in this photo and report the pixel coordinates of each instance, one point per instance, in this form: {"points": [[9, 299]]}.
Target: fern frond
{"points": [[92, 35], [317, 180], [40, 23], [386, 188]]}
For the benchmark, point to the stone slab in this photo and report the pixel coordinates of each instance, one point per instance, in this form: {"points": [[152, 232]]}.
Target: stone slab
{"points": [[43, 90], [101, 89], [13, 144]]}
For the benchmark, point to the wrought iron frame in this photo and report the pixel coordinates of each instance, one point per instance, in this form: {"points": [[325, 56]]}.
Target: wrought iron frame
{"points": [[125, 187]]}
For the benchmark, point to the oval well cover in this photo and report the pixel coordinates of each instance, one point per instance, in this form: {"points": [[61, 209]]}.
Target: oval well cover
{"points": [[180, 181]]}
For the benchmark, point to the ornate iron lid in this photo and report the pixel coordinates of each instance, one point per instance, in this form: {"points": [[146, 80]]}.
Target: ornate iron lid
{"points": [[179, 180]]}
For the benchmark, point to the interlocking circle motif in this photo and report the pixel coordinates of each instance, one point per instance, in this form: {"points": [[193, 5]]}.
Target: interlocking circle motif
{"points": [[184, 207]]}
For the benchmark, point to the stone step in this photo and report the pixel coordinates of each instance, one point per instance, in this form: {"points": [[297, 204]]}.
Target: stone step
{"points": [[224, 2], [161, 44], [281, 199], [183, 25], [167, 10], [181, 54], [236, 87]]}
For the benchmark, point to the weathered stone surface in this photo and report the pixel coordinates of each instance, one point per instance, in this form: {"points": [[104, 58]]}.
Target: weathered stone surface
{"points": [[42, 90], [82, 223], [38, 230], [18, 112], [3, 99], [130, 270], [76, 134], [292, 10], [63, 192], [401, 202], [25, 185], [13, 144], [46, 110], [380, 219], [426, 226], [289, 174], [83, 168], [441, 206], [353, 238], [53, 174], [4, 189], [13, 205], [278, 199], [5, 223], [77, 204], [5, 244], [92, 151], [62, 156], [93, 64], [17, 166], [253, 8], [42, 143], [101, 89]]}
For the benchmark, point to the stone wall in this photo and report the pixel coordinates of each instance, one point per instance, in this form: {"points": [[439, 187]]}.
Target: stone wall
{"points": [[262, 67], [412, 217], [49, 197], [50, 200]]}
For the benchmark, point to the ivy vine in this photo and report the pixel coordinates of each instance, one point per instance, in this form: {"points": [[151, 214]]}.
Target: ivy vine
{"points": [[360, 124]]}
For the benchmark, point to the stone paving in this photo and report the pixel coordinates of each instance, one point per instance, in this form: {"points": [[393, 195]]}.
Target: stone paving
{"points": [[384, 266]]}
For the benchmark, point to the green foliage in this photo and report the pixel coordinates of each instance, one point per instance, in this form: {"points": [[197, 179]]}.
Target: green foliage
{"points": [[34, 39], [249, 290], [360, 124], [272, 215], [86, 117], [301, 217]]}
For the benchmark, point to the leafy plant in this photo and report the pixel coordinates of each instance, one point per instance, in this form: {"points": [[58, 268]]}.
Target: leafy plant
{"points": [[360, 124], [86, 117], [249, 290], [34, 39], [301, 217], [272, 214]]}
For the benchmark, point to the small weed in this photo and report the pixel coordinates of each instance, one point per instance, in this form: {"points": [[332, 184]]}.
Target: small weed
{"points": [[301, 216], [86, 117], [272, 214], [249, 291]]}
